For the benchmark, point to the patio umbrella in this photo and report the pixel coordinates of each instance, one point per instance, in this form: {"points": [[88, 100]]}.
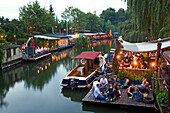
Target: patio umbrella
{"points": [[32, 43]]}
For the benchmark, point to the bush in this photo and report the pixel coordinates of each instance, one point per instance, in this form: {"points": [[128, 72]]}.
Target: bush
{"points": [[162, 97], [135, 77]]}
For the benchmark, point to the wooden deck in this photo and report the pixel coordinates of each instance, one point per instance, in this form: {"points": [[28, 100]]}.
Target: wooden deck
{"points": [[36, 58], [124, 100]]}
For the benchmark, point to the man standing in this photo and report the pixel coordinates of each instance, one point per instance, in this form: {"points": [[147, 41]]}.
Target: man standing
{"points": [[106, 57]]}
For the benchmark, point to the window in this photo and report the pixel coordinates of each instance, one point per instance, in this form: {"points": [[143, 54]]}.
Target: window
{"points": [[8, 53], [14, 51]]}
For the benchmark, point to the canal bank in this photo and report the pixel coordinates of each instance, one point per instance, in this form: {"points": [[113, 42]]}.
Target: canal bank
{"points": [[24, 90]]}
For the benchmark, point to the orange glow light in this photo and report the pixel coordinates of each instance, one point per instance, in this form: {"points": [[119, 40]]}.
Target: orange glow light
{"points": [[48, 64], [42, 68], [121, 52], [135, 62], [118, 57], [153, 64], [45, 67], [38, 71]]}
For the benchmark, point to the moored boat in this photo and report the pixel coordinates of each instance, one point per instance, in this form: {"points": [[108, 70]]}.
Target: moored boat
{"points": [[84, 73]]}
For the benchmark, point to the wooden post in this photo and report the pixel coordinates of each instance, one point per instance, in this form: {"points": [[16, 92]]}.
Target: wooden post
{"points": [[169, 90], [158, 54]]}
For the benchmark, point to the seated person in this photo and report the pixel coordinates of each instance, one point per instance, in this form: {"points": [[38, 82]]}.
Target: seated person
{"points": [[114, 93], [114, 79], [131, 89], [137, 95], [103, 81], [126, 84], [96, 81], [99, 95], [126, 62], [110, 89], [121, 63], [145, 87]]}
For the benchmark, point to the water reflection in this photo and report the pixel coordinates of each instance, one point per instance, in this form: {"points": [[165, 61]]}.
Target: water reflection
{"points": [[75, 95], [42, 80]]}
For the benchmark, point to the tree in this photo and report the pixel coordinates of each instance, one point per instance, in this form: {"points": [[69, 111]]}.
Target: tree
{"points": [[108, 14], [76, 17], [51, 10], [36, 18], [94, 23], [150, 15], [109, 27]]}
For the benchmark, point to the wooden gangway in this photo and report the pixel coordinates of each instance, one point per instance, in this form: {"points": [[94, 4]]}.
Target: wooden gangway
{"points": [[124, 100]]}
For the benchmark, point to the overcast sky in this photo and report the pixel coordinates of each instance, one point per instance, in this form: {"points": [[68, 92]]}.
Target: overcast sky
{"points": [[10, 8]]}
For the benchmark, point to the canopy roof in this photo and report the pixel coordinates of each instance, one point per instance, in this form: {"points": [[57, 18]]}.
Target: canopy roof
{"points": [[144, 46], [45, 37], [87, 55]]}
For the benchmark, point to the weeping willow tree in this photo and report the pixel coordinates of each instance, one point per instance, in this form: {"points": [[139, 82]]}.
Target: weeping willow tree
{"points": [[130, 33], [151, 16]]}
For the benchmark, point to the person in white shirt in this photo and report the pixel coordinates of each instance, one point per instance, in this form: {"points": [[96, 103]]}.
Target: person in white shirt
{"points": [[103, 81], [96, 81], [106, 57]]}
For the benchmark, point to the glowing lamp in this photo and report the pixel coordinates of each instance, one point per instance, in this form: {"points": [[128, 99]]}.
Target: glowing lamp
{"points": [[38, 71], [45, 67], [2, 36], [135, 62], [48, 64], [42, 68], [153, 64], [64, 29], [121, 52], [15, 36], [118, 57], [56, 27]]}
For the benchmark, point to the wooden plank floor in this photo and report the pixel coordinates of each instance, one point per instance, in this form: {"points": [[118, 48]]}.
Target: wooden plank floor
{"points": [[124, 100]]}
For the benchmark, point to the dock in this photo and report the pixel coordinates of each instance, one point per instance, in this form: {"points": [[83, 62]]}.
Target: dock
{"points": [[124, 100], [36, 58]]}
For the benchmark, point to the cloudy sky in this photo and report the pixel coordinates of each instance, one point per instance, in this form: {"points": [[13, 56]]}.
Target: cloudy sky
{"points": [[10, 8]]}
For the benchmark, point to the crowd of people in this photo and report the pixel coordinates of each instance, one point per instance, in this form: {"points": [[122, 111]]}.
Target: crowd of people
{"points": [[110, 90], [134, 61]]}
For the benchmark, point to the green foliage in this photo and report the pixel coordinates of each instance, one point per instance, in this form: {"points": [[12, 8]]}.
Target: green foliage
{"points": [[163, 66], [151, 16], [109, 27], [114, 17], [81, 42], [135, 77], [162, 97], [36, 17], [157, 87], [94, 23], [3, 45]]}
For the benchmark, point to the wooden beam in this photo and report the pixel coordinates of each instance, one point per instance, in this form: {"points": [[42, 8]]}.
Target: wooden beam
{"points": [[169, 90], [158, 54]]}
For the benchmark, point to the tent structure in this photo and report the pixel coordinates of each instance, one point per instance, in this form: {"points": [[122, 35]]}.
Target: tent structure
{"points": [[87, 55], [144, 46]]}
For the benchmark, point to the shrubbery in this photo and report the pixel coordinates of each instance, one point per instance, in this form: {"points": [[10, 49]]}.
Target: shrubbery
{"points": [[135, 77]]}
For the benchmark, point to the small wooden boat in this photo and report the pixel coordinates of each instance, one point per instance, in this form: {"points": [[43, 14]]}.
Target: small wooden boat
{"points": [[84, 73]]}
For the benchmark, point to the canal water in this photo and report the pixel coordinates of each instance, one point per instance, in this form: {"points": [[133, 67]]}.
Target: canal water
{"points": [[35, 87]]}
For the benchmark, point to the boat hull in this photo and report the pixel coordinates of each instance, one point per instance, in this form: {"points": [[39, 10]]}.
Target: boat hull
{"points": [[78, 82]]}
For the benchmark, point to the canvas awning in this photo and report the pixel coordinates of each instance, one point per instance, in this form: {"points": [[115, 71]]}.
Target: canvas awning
{"points": [[45, 37], [87, 55], [144, 46]]}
